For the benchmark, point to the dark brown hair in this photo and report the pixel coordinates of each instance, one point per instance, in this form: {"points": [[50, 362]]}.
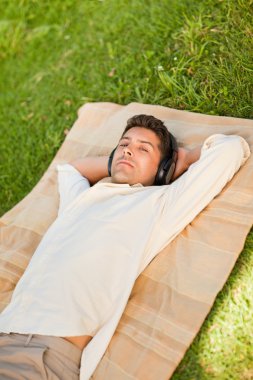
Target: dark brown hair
{"points": [[155, 125]]}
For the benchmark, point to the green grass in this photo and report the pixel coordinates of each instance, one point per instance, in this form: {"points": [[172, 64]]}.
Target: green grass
{"points": [[192, 55]]}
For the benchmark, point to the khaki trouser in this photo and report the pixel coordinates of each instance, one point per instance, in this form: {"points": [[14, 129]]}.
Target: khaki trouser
{"points": [[32, 357]]}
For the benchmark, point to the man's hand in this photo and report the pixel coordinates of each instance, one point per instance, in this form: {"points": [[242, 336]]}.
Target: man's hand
{"points": [[186, 157]]}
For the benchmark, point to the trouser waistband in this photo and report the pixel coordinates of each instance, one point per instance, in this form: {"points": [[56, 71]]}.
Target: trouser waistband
{"points": [[61, 345]]}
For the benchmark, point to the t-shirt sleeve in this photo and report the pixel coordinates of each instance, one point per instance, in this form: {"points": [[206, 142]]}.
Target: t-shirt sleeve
{"points": [[221, 157], [70, 184]]}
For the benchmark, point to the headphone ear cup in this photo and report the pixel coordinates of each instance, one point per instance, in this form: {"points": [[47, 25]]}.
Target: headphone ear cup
{"points": [[110, 162], [170, 172], [161, 173], [165, 172]]}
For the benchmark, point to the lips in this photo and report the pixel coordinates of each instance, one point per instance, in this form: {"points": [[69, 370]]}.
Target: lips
{"points": [[125, 162]]}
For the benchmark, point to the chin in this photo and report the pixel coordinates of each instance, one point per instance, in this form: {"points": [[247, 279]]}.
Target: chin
{"points": [[121, 179]]}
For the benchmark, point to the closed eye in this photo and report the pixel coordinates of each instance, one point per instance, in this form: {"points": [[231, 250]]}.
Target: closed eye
{"points": [[143, 149]]}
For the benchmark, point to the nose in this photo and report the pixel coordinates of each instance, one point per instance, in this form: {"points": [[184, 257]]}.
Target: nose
{"points": [[127, 151]]}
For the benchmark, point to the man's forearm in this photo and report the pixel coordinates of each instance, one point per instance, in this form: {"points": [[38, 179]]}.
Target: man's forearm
{"points": [[186, 158], [92, 168], [193, 155]]}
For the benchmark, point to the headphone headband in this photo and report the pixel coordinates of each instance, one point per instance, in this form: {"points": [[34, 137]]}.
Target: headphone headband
{"points": [[166, 167]]}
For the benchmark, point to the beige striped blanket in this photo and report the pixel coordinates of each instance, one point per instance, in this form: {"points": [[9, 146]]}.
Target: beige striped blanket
{"points": [[174, 294]]}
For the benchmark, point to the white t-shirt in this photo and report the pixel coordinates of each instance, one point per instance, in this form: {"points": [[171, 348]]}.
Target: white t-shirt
{"points": [[81, 275]]}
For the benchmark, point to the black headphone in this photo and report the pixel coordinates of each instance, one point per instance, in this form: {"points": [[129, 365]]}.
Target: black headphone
{"points": [[166, 167]]}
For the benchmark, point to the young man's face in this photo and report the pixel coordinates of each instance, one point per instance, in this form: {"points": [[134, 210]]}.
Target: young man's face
{"points": [[137, 157]]}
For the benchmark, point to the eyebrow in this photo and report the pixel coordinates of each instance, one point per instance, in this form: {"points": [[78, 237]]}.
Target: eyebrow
{"points": [[141, 141]]}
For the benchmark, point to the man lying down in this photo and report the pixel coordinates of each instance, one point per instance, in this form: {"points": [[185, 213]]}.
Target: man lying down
{"points": [[73, 292]]}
